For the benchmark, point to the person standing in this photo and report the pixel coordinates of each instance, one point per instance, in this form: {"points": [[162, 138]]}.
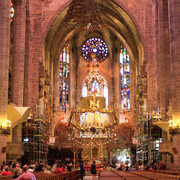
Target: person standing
{"points": [[82, 169], [93, 170]]}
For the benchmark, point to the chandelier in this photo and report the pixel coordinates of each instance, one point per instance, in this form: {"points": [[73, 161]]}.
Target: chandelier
{"points": [[5, 127], [95, 106], [83, 14], [11, 12]]}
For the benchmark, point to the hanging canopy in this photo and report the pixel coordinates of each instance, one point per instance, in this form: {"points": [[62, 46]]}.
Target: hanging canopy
{"points": [[17, 115], [163, 125]]}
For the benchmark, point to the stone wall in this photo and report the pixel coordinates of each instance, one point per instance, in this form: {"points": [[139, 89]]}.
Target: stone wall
{"points": [[3, 147]]}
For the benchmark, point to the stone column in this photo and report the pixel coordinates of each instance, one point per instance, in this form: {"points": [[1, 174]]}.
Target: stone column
{"points": [[4, 66], [74, 159], [3, 144], [56, 85], [164, 57], [176, 146], [110, 156], [19, 52], [34, 53], [150, 57], [91, 153], [78, 75], [72, 78], [56, 91], [117, 80], [19, 59], [174, 28]]}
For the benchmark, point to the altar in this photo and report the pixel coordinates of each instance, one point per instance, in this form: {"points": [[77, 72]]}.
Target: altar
{"points": [[95, 122], [93, 119]]}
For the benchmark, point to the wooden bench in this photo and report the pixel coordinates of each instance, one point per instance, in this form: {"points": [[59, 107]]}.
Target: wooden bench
{"points": [[70, 175]]}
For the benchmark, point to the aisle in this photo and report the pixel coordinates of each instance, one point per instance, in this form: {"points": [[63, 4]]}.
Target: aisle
{"points": [[137, 175], [89, 178], [109, 176]]}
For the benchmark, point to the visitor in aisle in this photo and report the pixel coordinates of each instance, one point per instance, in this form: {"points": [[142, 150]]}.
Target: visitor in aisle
{"points": [[93, 170], [82, 170], [68, 167]]}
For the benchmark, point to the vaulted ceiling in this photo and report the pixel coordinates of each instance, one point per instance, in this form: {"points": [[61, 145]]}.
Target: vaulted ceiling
{"points": [[118, 25]]}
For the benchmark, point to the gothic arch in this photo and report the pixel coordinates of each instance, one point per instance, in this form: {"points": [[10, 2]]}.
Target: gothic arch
{"points": [[128, 13]]}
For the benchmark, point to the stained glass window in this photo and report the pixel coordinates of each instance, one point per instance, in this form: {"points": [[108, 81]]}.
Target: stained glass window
{"points": [[64, 77], [11, 12], [125, 79], [95, 84], [95, 49]]}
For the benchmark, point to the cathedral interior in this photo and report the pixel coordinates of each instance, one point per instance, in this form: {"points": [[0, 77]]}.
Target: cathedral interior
{"points": [[90, 80]]}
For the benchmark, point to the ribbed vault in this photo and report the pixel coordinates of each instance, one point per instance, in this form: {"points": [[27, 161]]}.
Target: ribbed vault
{"points": [[117, 25]]}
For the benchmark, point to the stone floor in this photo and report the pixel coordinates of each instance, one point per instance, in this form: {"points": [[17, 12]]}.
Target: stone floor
{"points": [[140, 175], [89, 178]]}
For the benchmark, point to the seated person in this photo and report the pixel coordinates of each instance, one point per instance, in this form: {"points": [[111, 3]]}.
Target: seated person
{"points": [[6, 172]]}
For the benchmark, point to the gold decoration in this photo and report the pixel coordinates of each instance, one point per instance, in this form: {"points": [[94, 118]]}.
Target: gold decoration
{"points": [[92, 101]]}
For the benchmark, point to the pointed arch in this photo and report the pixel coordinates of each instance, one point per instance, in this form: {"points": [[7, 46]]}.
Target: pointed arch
{"points": [[95, 83]]}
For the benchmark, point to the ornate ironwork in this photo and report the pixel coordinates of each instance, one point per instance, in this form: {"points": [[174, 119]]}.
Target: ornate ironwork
{"points": [[92, 106], [83, 14]]}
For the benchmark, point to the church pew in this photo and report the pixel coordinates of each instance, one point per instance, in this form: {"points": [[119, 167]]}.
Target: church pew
{"points": [[73, 175]]}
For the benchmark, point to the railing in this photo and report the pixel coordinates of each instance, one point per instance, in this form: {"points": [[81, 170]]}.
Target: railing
{"points": [[72, 175]]}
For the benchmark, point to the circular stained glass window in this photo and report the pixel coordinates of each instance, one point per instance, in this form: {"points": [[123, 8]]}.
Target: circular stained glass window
{"points": [[95, 49]]}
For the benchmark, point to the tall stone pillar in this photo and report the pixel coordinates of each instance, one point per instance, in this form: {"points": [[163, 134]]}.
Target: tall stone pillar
{"points": [[4, 68], [78, 68], [164, 57], [174, 28], [3, 144], [19, 52], [19, 59], [117, 80], [72, 79], [152, 96], [56, 85], [56, 91], [176, 139]]}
